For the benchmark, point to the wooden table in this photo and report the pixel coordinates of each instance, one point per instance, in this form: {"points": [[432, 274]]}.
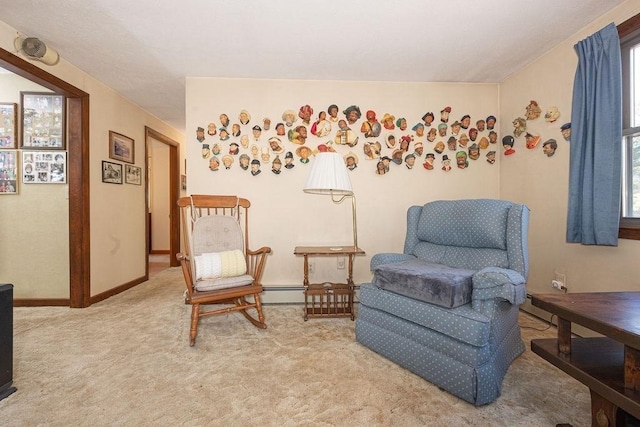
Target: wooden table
{"points": [[609, 365], [328, 299]]}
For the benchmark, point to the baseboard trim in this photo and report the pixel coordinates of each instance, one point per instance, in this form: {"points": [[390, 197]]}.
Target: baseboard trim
{"points": [[541, 314], [118, 289], [271, 295], [66, 302], [283, 295], [41, 302]]}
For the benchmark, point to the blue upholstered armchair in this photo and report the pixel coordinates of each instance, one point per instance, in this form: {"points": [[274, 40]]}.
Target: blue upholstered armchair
{"points": [[447, 308]]}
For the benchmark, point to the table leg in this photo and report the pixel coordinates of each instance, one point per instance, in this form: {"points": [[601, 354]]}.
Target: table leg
{"points": [[631, 368], [350, 269], [305, 283], [603, 412], [564, 336], [351, 287]]}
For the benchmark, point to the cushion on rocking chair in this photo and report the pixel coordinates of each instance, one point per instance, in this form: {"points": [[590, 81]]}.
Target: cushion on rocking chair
{"points": [[223, 283], [221, 270], [220, 264]]}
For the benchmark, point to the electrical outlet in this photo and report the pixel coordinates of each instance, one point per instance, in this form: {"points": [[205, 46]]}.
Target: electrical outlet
{"points": [[312, 267], [559, 282], [340, 261], [561, 278]]}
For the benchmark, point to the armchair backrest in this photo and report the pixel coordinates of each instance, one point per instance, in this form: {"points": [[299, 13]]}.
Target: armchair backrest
{"points": [[473, 234]]}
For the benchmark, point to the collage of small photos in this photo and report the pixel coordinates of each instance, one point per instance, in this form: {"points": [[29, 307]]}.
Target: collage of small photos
{"points": [[433, 140], [38, 154]]}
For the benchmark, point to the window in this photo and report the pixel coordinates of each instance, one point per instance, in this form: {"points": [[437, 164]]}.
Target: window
{"points": [[630, 204]]}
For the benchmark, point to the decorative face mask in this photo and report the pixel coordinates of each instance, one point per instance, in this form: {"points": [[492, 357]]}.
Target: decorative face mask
{"points": [[552, 115]]}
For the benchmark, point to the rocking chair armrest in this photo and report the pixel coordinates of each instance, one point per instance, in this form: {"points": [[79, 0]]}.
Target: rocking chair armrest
{"points": [[255, 262], [186, 271], [264, 249]]}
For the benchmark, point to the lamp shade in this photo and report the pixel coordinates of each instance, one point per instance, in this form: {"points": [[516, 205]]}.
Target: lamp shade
{"points": [[329, 175]]}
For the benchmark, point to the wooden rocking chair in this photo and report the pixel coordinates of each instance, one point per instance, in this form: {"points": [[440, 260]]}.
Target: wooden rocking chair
{"points": [[217, 265]]}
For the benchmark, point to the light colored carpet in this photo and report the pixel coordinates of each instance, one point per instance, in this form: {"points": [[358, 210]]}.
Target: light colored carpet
{"points": [[126, 362]]}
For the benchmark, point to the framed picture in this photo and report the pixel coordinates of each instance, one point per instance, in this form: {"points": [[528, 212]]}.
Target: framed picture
{"points": [[44, 167], [121, 147], [8, 125], [111, 172], [8, 172], [132, 175], [43, 121]]}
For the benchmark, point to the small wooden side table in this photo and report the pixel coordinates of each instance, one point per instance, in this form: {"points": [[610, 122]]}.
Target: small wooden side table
{"points": [[328, 299]]}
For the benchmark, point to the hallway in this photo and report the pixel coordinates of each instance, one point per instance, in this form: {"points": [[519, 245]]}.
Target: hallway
{"points": [[158, 263]]}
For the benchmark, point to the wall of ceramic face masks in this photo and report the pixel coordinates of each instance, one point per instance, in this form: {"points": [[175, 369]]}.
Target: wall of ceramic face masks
{"points": [[404, 143], [436, 139]]}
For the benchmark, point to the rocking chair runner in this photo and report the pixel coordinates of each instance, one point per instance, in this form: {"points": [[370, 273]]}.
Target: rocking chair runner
{"points": [[217, 265]]}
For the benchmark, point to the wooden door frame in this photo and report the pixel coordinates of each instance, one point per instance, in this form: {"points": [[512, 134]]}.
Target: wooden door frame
{"points": [[174, 194], [78, 178]]}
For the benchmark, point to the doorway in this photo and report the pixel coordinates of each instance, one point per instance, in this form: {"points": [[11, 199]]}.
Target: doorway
{"points": [[78, 177], [152, 136], [79, 183], [158, 263]]}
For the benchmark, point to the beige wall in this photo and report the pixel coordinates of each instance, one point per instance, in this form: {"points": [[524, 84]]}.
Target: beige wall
{"points": [[541, 182], [117, 211], [29, 253], [284, 216]]}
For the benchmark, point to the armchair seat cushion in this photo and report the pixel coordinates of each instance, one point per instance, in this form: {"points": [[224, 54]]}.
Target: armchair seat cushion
{"points": [[426, 281]]}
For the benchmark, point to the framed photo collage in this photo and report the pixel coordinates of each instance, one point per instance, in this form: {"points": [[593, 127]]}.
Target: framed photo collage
{"points": [[32, 141]]}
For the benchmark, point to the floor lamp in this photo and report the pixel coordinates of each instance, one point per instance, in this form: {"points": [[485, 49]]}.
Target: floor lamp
{"points": [[329, 176]]}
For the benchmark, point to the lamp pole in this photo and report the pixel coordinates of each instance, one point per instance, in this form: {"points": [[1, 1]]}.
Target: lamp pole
{"points": [[355, 226]]}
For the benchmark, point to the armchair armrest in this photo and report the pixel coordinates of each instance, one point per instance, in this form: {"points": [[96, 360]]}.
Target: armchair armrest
{"points": [[494, 282], [386, 258]]}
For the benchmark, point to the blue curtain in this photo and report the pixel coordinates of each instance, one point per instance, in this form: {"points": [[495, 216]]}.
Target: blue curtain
{"points": [[596, 137]]}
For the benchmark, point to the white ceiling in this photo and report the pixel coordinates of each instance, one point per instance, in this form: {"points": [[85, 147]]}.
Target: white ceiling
{"points": [[144, 49]]}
